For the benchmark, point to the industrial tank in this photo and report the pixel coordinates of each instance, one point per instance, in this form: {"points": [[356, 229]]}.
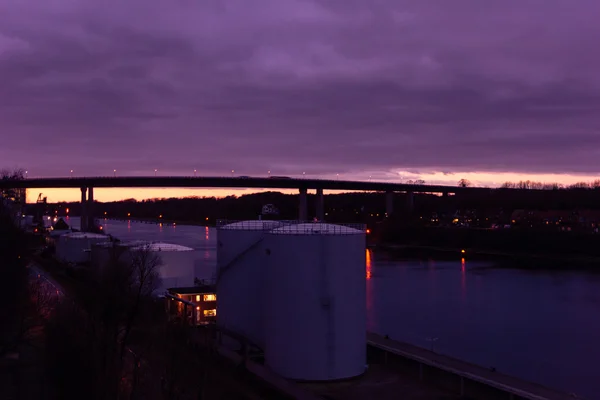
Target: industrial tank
{"points": [[315, 305], [176, 262], [75, 247], [240, 277]]}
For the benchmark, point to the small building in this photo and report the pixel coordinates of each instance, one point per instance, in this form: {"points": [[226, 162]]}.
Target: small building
{"points": [[197, 305]]}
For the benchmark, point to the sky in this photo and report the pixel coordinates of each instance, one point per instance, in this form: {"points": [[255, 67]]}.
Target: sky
{"points": [[393, 90]]}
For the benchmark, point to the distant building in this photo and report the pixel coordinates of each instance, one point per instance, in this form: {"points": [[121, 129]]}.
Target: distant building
{"points": [[196, 305]]}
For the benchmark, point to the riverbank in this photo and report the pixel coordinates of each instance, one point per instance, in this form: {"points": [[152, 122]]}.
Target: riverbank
{"points": [[531, 260]]}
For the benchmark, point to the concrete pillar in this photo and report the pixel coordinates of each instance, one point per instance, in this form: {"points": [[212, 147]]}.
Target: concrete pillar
{"points": [[389, 203], [84, 221], [90, 208], [410, 202], [303, 208], [320, 205]]}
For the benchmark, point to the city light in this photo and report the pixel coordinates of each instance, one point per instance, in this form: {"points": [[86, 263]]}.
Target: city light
{"points": [[195, 172], [155, 171]]}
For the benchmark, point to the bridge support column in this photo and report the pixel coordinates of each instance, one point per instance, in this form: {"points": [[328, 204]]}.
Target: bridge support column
{"points": [[410, 202], [320, 205], [389, 203], [90, 209], [303, 208], [83, 226]]}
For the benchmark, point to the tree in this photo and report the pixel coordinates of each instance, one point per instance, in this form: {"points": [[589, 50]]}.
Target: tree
{"points": [[103, 324], [464, 183]]}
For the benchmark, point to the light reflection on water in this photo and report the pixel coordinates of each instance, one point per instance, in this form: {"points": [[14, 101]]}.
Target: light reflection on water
{"points": [[538, 325]]}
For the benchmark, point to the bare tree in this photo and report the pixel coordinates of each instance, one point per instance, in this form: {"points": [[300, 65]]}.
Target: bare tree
{"points": [[464, 183]]}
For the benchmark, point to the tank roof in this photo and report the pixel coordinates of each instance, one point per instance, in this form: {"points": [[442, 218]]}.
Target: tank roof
{"points": [[258, 225], [160, 246], [85, 235], [319, 228]]}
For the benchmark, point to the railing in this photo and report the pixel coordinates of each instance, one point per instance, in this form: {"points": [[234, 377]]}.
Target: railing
{"points": [[320, 228], [293, 226], [253, 225]]}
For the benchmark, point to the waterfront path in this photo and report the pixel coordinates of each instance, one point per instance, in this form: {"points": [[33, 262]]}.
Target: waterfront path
{"points": [[514, 387]]}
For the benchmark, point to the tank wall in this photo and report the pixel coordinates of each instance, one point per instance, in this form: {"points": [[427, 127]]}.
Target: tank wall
{"points": [[315, 306], [176, 270], [73, 250], [240, 288]]}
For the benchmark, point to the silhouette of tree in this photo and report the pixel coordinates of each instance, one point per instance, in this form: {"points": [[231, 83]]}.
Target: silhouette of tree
{"points": [[464, 183]]}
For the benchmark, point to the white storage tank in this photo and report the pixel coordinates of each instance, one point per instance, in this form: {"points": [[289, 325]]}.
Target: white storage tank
{"points": [[315, 305], [75, 247], [177, 264], [240, 277]]}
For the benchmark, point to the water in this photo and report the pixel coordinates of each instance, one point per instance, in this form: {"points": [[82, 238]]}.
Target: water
{"points": [[541, 326]]}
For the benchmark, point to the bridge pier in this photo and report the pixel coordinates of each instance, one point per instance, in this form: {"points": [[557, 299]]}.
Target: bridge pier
{"points": [[320, 205], [410, 202], [90, 208], [389, 203], [303, 208], [83, 226]]}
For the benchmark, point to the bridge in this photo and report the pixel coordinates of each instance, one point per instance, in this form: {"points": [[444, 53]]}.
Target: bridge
{"points": [[87, 185]]}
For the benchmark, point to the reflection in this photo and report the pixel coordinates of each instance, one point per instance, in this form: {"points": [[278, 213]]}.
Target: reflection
{"points": [[206, 230], [369, 263], [160, 226], [463, 278]]}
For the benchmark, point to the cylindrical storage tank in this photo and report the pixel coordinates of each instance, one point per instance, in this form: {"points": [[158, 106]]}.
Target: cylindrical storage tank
{"points": [[315, 305], [240, 277], [177, 264], [75, 247]]}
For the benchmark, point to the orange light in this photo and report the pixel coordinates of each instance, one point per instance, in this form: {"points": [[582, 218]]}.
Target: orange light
{"points": [[67, 210], [104, 212], [160, 216], [368, 231], [129, 214], [463, 251], [207, 218], [101, 228]]}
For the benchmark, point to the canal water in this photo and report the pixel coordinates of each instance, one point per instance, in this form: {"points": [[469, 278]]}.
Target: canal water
{"points": [[539, 325]]}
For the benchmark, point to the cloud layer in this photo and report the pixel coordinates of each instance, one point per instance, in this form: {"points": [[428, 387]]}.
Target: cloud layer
{"points": [[323, 87]]}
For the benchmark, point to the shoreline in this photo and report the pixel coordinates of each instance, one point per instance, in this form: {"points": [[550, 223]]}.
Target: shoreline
{"points": [[471, 254]]}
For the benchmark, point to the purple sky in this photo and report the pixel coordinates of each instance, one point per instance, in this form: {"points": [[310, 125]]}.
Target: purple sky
{"points": [[337, 86]]}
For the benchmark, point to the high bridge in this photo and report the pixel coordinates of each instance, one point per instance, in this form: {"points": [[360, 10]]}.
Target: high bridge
{"points": [[87, 185]]}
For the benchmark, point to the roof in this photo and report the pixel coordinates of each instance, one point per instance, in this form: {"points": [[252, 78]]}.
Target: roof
{"points": [[319, 228], [160, 246], [85, 235], [259, 225], [193, 289]]}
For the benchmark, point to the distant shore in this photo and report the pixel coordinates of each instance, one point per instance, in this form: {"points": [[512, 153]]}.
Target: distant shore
{"points": [[533, 260]]}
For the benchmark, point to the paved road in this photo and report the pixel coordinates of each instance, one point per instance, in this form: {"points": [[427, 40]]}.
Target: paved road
{"points": [[474, 372]]}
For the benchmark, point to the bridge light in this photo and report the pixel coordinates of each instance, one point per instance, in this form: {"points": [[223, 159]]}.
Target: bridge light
{"points": [[160, 216], [463, 251], [129, 214]]}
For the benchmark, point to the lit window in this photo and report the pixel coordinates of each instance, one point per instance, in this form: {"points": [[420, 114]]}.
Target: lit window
{"points": [[210, 313], [197, 297], [210, 297]]}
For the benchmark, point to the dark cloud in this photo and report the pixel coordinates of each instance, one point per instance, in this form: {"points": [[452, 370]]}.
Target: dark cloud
{"points": [[323, 87]]}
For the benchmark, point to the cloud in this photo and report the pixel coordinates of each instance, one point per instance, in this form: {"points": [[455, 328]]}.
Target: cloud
{"points": [[325, 87]]}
